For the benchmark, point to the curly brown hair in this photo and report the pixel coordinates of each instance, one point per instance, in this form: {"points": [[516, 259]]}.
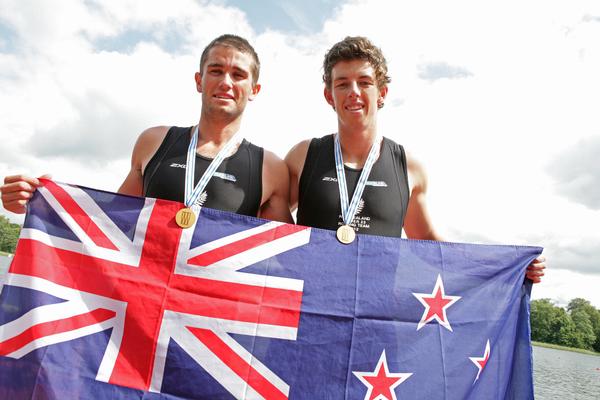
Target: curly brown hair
{"points": [[239, 43], [356, 48]]}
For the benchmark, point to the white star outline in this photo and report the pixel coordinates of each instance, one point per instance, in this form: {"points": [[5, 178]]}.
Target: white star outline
{"points": [[402, 376], [439, 284], [477, 360]]}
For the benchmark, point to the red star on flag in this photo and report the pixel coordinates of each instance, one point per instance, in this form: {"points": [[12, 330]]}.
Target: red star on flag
{"points": [[480, 362], [381, 382], [436, 303]]}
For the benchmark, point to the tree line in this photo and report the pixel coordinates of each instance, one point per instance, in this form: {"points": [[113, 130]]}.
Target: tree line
{"points": [[576, 326], [9, 235]]}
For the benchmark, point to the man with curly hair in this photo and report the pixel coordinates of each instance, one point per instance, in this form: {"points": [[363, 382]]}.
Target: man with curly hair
{"points": [[357, 180]]}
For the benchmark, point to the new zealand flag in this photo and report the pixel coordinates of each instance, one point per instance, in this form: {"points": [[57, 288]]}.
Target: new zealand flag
{"points": [[107, 298]]}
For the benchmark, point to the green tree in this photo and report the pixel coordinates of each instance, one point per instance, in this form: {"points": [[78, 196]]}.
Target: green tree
{"points": [[552, 324], [564, 331], [579, 304], [9, 234], [585, 331], [542, 314]]}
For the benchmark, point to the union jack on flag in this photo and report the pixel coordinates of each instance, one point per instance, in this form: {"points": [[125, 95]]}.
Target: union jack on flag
{"points": [[108, 298]]}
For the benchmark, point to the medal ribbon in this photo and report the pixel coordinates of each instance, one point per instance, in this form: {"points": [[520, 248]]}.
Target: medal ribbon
{"points": [[348, 211], [191, 192]]}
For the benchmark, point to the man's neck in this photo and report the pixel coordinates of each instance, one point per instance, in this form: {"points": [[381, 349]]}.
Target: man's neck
{"points": [[214, 134], [356, 145]]}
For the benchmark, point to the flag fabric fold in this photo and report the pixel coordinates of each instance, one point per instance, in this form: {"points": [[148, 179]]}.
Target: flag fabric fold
{"points": [[107, 297]]}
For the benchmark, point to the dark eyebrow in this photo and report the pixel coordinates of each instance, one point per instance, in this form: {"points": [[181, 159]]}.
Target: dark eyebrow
{"points": [[219, 65], [340, 78]]}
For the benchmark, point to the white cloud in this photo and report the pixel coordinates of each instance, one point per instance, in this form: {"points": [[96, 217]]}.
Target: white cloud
{"points": [[440, 70]]}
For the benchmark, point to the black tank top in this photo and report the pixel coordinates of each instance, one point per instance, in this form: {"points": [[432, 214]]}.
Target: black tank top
{"points": [[384, 201], [236, 186]]}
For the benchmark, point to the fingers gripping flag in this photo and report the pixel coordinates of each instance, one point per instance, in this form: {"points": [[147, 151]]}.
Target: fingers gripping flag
{"points": [[108, 298]]}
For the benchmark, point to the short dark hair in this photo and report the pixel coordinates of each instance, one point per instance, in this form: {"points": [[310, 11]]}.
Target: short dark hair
{"points": [[356, 48], [237, 42]]}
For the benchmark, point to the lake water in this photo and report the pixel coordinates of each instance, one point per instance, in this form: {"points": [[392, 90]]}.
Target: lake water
{"points": [[565, 375]]}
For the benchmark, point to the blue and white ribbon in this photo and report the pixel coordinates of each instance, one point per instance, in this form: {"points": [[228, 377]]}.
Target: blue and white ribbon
{"points": [[191, 192], [349, 210]]}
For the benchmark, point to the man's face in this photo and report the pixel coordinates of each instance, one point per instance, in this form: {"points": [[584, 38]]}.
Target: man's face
{"points": [[226, 82], [354, 93]]}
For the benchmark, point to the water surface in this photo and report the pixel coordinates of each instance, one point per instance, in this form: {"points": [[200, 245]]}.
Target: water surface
{"points": [[565, 375]]}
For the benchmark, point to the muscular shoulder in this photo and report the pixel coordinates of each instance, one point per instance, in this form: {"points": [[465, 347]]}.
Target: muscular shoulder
{"points": [[296, 157], [273, 166], [151, 137], [276, 184], [147, 144], [417, 175]]}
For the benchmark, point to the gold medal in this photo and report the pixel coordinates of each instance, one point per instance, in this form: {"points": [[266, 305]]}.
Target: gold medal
{"points": [[185, 217], [345, 234]]}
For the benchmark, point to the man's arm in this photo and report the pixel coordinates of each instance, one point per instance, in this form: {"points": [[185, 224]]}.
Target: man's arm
{"points": [[417, 223], [295, 159], [145, 147], [275, 195]]}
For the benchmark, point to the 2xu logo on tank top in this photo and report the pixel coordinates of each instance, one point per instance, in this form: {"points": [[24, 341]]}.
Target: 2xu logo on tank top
{"points": [[225, 177], [359, 221]]}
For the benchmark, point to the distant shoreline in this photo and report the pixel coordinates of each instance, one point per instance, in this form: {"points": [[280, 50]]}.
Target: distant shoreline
{"points": [[557, 347]]}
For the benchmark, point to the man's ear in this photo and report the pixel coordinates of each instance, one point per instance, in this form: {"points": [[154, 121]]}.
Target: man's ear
{"points": [[198, 79], [328, 97], [382, 93], [254, 93]]}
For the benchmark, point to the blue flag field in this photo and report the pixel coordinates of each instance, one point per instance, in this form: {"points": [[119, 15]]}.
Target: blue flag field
{"points": [[108, 298]]}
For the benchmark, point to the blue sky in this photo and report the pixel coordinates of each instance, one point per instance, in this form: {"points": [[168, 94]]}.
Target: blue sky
{"points": [[298, 17]]}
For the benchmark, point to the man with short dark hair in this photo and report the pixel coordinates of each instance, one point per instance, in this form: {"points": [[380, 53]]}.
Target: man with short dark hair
{"points": [[357, 180], [209, 164]]}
